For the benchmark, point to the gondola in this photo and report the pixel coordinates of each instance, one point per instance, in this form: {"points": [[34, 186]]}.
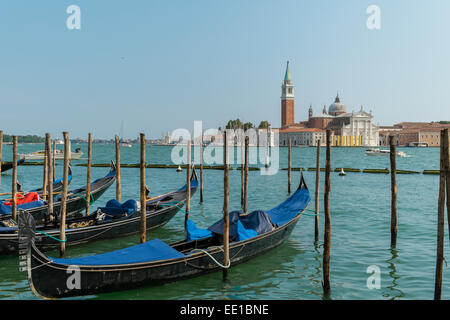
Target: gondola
{"points": [[57, 185], [155, 262], [76, 199], [7, 165], [111, 221]]}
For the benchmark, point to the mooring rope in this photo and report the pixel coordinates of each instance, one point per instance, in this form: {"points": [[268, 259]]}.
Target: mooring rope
{"points": [[309, 214], [90, 196], [174, 204], [54, 238], [212, 258]]}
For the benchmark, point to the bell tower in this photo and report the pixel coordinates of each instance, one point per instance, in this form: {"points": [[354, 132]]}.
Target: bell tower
{"points": [[287, 99]]}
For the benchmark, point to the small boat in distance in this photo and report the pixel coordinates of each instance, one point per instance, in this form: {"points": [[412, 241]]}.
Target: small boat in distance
{"points": [[59, 155], [125, 144], [383, 152]]}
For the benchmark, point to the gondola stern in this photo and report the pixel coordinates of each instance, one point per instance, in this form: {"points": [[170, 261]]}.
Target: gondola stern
{"points": [[194, 176], [302, 184]]}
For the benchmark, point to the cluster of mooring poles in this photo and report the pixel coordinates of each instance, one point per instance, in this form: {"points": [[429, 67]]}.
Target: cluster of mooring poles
{"points": [[49, 177]]}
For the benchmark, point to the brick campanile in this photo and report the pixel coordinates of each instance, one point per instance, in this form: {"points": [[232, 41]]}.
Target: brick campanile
{"points": [[287, 99]]}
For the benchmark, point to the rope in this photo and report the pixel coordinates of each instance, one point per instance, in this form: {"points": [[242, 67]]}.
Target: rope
{"points": [[212, 258], [52, 236], [90, 196], [309, 214], [174, 204]]}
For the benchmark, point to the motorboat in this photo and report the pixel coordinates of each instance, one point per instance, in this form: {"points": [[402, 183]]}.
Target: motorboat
{"points": [[383, 152], [58, 155]]}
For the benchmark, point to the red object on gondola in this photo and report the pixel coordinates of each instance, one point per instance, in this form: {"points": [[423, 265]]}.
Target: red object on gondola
{"points": [[21, 199]]}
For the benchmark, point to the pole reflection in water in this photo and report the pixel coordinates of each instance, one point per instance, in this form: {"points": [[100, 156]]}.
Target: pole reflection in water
{"points": [[391, 291]]}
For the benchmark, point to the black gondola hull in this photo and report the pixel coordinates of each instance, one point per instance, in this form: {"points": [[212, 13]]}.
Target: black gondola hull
{"points": [[87, 229], [51, 280]]}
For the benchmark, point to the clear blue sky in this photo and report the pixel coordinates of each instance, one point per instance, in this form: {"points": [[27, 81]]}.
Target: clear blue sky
{"points": [[159, 65]]}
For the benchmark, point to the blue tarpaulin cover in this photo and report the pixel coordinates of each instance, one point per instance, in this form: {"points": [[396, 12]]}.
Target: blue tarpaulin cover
{"points": [[258, 221], [264, 221], [194, 233], [290, 208], [243, 233], [114, 207], [152, 250], [8, 209]]}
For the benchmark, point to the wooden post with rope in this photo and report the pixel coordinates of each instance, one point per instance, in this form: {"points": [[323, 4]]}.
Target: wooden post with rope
{"points": [[14, 179], [62, 212], [316, 194], [289, 166], [226, 201], [443, 178], [242, 170], [1, 152], [54, 159], [327, 227], [45, 175], [118, 175], [142, 193], [393, 154], [88, 174], [245, 208], [48, 150], [188, 183], [201, 170]]}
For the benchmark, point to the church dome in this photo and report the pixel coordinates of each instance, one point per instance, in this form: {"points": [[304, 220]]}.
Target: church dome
{"points": [[336, 107]]}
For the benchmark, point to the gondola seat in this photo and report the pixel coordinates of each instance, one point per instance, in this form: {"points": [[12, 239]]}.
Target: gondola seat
{"points": [[194, 233], [114, 209], [6, 208], [244, 226]]}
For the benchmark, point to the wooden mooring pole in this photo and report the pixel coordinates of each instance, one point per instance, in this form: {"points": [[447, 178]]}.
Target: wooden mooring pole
{"points": [[62, 212], [54, 159], [1, 152], [45, 175], [88, 173], [444, 171], [188, 183], [201, 171], [14, 179], [289, 166], [242, 170], [48, 150], [143, 189], [316, 194], [118, 175], [226, 206], [245, 208], [393, 154], [327, 227]]}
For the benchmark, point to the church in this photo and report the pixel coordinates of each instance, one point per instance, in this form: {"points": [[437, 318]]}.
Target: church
{"points": [[349, 129]]}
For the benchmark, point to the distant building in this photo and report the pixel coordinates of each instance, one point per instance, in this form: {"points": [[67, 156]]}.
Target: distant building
{"points": [[349, 129], [413, 134], [301, 136]]}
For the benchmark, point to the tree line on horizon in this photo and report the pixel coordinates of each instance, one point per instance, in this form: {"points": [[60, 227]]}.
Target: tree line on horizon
{"points": [[24, 139], [238, 124]]}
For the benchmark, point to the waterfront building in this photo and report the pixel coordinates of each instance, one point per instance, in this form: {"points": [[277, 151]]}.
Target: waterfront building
{"points": [[426, 134], [349, 129]]}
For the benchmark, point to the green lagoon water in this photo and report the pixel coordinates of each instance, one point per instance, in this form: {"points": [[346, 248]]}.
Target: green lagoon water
{"points": [[360, 214]]}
